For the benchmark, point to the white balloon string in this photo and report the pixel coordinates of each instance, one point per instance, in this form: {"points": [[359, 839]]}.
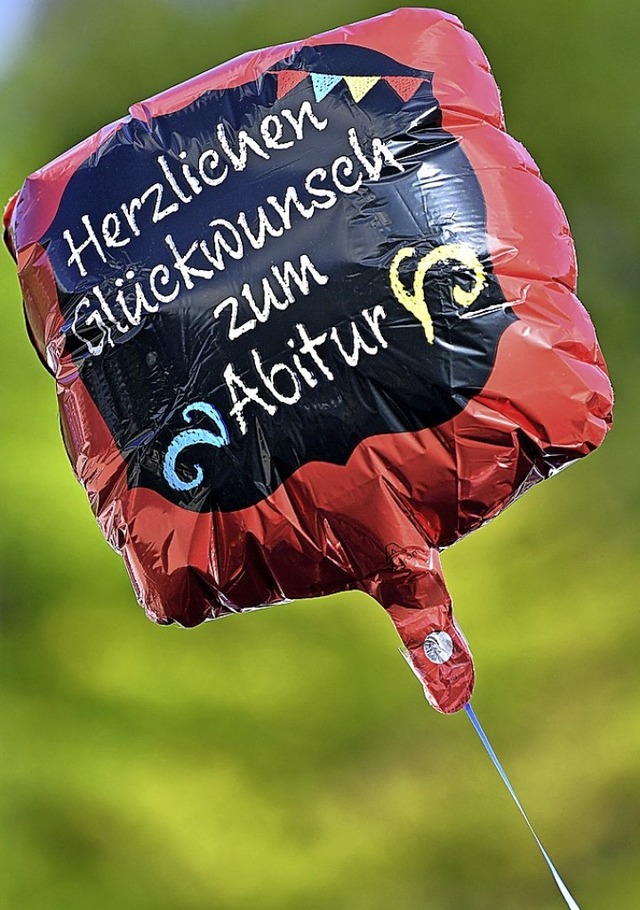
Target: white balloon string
{"points": [[564, 891]]}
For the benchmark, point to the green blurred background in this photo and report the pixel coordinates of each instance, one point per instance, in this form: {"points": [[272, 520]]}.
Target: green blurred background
{"points": [[286, 759]]}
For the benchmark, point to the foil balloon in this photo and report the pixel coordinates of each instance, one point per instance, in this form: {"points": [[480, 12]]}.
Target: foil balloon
{"points": [[311, 318]]}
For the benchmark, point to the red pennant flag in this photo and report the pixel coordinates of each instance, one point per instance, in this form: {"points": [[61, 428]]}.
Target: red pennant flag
{"points": [[405, 86], [288, 79]]}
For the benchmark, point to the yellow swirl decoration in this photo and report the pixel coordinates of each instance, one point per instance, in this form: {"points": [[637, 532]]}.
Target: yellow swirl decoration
{"points": [[414, 301]]}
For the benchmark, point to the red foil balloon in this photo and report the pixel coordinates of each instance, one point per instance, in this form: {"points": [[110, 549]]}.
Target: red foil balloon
{"points": [[311, 317]]}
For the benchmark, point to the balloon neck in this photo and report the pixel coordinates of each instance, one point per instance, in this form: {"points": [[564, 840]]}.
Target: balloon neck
{"points": [[411, 588]]}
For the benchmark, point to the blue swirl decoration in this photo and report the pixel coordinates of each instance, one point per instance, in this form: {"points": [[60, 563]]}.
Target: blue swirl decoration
{"points": [[193, 437]]}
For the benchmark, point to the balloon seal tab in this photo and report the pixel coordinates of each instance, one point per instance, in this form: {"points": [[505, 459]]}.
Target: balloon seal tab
{"points": [[438, 647]]}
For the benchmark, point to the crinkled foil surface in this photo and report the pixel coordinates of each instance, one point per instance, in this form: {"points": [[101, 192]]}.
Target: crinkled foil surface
{"points": [[312, 318]]}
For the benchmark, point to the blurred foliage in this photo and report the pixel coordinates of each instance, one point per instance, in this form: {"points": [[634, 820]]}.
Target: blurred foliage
{"points": [[286, 759]]}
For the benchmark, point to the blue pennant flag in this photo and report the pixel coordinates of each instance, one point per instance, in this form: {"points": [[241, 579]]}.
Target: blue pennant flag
{"points": [[323, 83]]}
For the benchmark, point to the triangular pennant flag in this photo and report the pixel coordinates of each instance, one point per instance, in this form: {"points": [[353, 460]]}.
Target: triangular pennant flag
{"points": [[288, 79], [405, 86], [360, 85], [322, 84]]}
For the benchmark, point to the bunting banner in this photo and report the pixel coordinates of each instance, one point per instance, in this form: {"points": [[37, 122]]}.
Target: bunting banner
{"points": [[324, 83]]}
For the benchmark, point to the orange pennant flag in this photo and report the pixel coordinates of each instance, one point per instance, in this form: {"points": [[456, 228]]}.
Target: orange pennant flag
{"points": [[288, 79], [405, 86]]}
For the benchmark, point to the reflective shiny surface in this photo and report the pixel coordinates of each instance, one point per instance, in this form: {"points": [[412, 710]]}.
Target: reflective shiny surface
{"points": [[231, 474]]}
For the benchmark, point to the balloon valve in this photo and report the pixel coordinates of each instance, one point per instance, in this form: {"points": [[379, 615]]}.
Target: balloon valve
{"points": [[444, 668], [438, 647]]}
